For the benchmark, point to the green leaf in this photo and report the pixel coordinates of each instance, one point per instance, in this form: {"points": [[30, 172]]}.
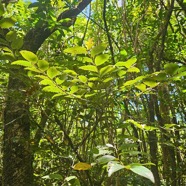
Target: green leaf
{"points": [[130, 82], [33, 69], [7, 22], [105, 159], [98, 49], [73, 89], [1, 9], [7, 56], [17, 43], [41, 76], [72, 72], [101, 59], [76, 50], [121, 73], [53, 89], [141, 87], [52, 72], [142, 171], [114, 167], [130, 62], [160, 76], [133, 69], [151, 84], [22, 63], [135, 123], [53, 176], [93, 78], [30, 56], [4, 42], [43, 65], [106, 70], [168, 126], [123, 52], [90, 84], [47, 82], [11, 35], [142, 126], [171, 68], [149, 128], [56, 176], [87, 59], [91, 68], [127, 63], [73, 180], [89, 95], [108, 79], [82, 78], [59, 81]]}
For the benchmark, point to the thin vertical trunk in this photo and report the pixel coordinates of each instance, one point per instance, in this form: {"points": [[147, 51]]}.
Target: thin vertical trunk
{"points": [[17, 160], [152, 137], [168, 152]]}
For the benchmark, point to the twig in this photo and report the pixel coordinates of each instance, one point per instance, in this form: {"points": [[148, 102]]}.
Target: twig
{"points": [[107, 31]]}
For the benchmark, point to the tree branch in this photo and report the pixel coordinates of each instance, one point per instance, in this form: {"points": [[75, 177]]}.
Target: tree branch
{"points": [[72, 13], [107, 32], [36, 36]]}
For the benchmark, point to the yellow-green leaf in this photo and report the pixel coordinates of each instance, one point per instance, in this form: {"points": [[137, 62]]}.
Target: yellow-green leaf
{"points": [[52, 72], [73, 89], [101, 59], [151, 84], [83, 78], [87, 59], [91, 68], [43, 64], [133, 69], [127, 63], [106, 70], [59, 81], [76, 50], [30, 56], [98, 49], [47, 82], [72, 72], [141, 87], [22, 63], [52, 89], [123, 52], [130, 83], [7, 22], [121, 73]]}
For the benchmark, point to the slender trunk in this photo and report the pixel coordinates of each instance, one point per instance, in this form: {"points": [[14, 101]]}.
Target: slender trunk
{"points": [[152, 137], [17, 159], [168, 151]]}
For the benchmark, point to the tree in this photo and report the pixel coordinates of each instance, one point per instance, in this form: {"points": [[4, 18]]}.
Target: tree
{"points": [[17, 161]]}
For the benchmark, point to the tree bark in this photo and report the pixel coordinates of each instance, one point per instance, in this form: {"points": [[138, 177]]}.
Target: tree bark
{"points": [[17, 160]]}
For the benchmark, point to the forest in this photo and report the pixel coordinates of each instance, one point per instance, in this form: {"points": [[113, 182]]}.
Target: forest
{"points": [[93, 93]]}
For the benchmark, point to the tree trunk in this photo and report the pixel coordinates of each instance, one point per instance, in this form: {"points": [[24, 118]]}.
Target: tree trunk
{"points": [[153, 140], [17, 159]]}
